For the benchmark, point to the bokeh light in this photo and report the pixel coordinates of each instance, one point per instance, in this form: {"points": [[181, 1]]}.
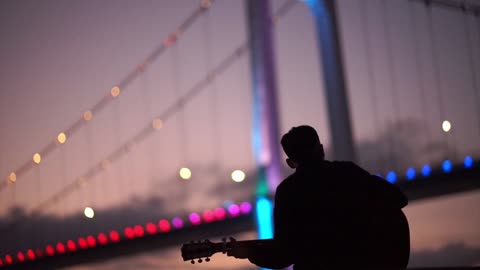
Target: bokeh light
{"points": [[447, 165], [411, 174], [87, 116], [37, 158], [446, 126], [468, 162], [88, 212], [12, 177], [115, 91], [157, 123], [61, 138], [185, 173], [238, 176]]}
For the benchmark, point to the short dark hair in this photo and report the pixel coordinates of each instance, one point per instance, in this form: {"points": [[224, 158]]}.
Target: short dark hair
{"points": [[299, 142]]}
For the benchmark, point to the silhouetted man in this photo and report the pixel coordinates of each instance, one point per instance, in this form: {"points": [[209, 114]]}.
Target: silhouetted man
{"points": [[331, 214]]}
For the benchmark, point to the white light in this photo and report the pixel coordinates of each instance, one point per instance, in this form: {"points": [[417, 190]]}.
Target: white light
{"points": [[238, 176], [89, 213], [446, 126], [185, 173]]}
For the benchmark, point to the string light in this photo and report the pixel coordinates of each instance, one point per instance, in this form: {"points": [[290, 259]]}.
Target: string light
{"points": [[37, 158], [12, 177], [157, 123], [61, 138], [115, 91], [128, 146], [87, 116]]}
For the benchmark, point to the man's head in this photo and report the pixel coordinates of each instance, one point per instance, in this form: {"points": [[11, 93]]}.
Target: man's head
{"points": [[302, 144]]}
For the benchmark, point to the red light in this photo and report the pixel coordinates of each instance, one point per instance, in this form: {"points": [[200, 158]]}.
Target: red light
{"points": [[139, 231], [8, 259], [31, 254], [60, 248], [20, 256], [39, 252], [71, 245], [91, 242], [114, 236], [151, 228], [102, 239], [129, 233], [1, 262], [208, 216], [220, 213], [164, 225], [49, 250], [82, 243]]}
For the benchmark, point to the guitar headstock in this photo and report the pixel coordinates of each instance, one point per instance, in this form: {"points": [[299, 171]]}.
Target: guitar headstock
{"points": [[201, 249]]}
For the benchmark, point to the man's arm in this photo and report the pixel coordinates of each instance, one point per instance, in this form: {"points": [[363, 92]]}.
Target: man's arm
{"points": [[266, 253]]}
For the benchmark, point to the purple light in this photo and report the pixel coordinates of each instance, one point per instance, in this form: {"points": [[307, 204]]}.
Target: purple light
{"points": [[234, 210], [195, 218], [177, 223], [245, 208]]}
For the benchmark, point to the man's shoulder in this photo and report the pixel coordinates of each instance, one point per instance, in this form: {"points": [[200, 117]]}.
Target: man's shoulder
{"points": [[347, 166]]}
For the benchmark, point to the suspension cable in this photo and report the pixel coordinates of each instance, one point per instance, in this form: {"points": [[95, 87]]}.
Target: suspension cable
{"points": [[122, 85], [436, 67], [473, 70], [418, 68], [371, 78], [148, 129]]}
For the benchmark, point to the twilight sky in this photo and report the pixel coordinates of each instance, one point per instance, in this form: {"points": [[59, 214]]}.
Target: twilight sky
{"points": [[59, 58]]}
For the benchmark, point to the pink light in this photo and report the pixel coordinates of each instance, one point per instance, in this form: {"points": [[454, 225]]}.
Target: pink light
{"points": [[164, 225], [82, 243], [102, 239], [220, 213], [245, 208], [60, 248], [91, 241], [8, 259], [49, 250], [234, 210], [139, 231], [129, 233], [151, 228], [177, 223], [114, 236], [71, 246], [31, 254], [195, 219], [208, 216], [20, 256]]}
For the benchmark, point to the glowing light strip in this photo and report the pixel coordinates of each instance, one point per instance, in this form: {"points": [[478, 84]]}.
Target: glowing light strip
{"points": [[129, 232]]}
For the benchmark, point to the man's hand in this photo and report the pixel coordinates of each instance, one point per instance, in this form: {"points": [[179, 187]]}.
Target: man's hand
{"points": [[237, 250]]}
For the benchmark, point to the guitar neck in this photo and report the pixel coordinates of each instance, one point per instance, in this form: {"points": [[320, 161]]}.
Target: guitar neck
{"points": [[207, 249]]}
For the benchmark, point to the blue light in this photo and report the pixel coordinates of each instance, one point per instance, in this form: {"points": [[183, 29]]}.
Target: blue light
{"points": [[379, 175], [468, 162], [426, 170], [447, 166], [411, 173], [264, 218], [391, 177]]}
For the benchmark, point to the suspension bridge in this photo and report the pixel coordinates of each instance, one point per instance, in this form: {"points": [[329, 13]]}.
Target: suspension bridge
{"points": [[185, 146]]}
